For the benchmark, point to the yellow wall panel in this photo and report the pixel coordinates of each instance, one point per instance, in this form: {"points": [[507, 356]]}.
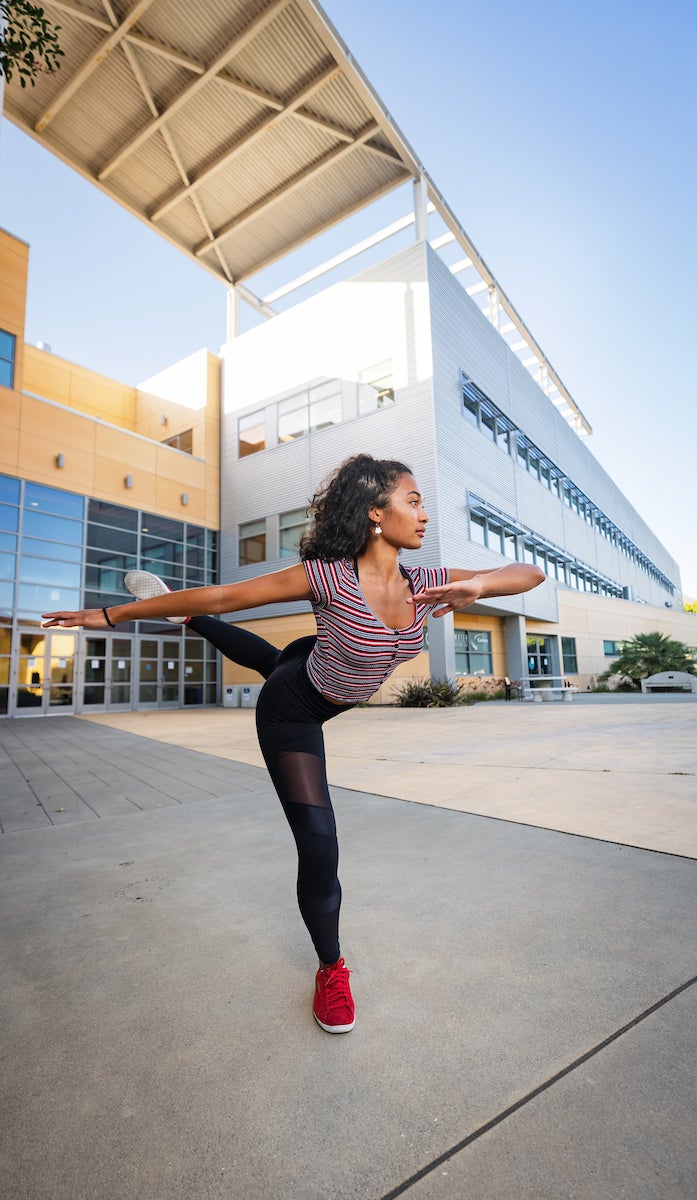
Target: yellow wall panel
{"points": [[14, 260], [69, 430], [102, 397], [46, 375], [168, 501], [212, 511], [12, 308], [37, 461], [10, 406], [9, 447], [135, 454], [175, 465], [109, 474]]}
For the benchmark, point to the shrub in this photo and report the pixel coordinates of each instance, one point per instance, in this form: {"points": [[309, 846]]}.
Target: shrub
{"points": [[428, 693], [445, 693]]}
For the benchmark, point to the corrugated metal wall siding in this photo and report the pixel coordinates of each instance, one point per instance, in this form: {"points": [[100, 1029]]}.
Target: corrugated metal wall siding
{"points": [[285, 476], [464, 340], [426, 429]]}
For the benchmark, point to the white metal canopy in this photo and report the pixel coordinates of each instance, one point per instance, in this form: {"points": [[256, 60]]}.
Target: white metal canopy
{"points": [[237, 129]]}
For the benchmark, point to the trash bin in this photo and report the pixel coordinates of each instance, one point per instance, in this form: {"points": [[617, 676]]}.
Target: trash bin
{"points": [[231, 696], [248, 695]]}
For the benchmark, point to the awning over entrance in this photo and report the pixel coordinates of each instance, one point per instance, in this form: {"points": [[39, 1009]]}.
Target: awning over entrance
{"points": [[236, 129]]}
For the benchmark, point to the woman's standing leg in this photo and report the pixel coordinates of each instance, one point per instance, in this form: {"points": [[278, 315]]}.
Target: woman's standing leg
{"points": [[294, 755]]}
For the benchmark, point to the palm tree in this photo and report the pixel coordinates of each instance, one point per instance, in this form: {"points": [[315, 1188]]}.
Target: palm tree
{"points": [[648, 654]]}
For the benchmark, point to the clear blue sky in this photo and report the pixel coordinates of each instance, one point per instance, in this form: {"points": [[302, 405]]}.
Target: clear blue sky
{"points": [[562, 135]]}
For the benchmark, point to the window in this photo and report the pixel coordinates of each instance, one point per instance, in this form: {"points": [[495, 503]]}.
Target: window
{"points": [[489, 424], [470, 409], [293, 418], [8, 342], [291, 526], [325, 406], [509, 545], [473, 652], [539, 651], [9, 490], [478, 530], [251, 432], [612, 649], [181, 441], [495, 537], [376, 387], [568, 654], [252, 543], [50, 500]]}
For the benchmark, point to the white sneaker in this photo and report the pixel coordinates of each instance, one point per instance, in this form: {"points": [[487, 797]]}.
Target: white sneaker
{"points": [[144, 585]]}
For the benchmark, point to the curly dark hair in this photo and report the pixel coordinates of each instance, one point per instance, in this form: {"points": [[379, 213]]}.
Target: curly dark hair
{"points": [[341, 526]]}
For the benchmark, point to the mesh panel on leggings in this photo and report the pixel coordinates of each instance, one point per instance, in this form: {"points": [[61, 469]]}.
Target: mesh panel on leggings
{"points": [[299, 777]]}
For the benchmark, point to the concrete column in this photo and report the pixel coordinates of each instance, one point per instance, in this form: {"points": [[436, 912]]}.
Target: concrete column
{"points": [[516, 647], [441, 646], [420, 209], [232, 314]]}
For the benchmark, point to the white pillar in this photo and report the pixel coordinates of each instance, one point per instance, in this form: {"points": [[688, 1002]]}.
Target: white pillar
{"points": [[441, 647], [516, 647], [232, 314], [420, 209]]}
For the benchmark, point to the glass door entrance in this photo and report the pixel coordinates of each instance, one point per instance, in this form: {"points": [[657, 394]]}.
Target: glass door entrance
{"points": [[45, 672], [106, 673], [159, 672]]}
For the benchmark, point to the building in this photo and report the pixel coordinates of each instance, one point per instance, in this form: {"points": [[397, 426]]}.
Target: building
{"points": [[97, 478], [400, 361], [239, 135]]}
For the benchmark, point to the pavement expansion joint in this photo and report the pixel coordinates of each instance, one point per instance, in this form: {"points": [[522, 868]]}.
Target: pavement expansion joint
{"points": [[537, 1091]]}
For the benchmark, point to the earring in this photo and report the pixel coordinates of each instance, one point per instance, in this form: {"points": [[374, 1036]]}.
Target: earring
{"points": [[377, 530]]}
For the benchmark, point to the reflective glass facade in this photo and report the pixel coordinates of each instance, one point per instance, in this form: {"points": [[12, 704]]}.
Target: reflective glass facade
{"points": [[61, 550]]}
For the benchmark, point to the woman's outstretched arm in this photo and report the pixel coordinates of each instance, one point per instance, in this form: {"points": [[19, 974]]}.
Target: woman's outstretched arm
{"points": [[289, 584], [466, 587]]}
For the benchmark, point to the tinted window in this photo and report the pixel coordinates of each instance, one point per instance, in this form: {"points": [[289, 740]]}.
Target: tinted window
{"points": [[41, 549], [35, 600], [52, 501], [38, 524], [162, 527], [117, 540], [113, 514], [9, 518], [38, 570], [9, 490]]}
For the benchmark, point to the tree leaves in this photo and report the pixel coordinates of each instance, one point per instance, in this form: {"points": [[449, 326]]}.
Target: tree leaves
{"points": [[649, 654], [28, 42]]}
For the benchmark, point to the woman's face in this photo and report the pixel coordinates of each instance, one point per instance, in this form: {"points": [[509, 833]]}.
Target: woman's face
{"points": [[404, 518]]}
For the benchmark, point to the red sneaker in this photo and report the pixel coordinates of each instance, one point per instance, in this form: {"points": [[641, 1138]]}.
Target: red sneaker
{"points": [[333, 1007]]}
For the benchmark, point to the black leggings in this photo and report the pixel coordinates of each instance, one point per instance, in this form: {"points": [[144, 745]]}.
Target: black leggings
{"points": [[290, 714]]}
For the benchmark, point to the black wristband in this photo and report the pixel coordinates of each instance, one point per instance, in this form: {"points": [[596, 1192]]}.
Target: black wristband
{"points": [[106, 618]]}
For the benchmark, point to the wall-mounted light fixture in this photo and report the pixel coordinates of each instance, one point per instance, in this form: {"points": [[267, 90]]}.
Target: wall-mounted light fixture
{"points": [[163, 419], [185, 497], [60, 460], [128, 481]]}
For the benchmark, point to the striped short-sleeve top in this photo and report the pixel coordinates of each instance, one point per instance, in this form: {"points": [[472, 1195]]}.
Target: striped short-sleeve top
{"points": [[355, 652]]}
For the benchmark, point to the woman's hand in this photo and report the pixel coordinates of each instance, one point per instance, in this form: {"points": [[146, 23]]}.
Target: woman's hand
{"points": [[91, 618], [451, 596]]}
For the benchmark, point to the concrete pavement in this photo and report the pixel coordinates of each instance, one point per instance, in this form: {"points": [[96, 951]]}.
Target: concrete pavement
{"points": [[603, 766], [525, 996]]}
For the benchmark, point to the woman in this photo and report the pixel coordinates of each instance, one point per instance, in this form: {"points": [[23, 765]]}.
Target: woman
{"points": [[370, 613]]}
